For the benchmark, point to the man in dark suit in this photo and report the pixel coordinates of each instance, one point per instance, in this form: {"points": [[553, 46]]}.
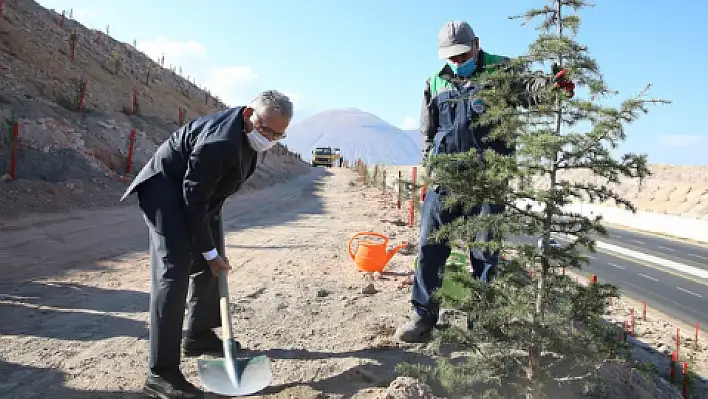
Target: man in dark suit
{"points": [[181, 191]]}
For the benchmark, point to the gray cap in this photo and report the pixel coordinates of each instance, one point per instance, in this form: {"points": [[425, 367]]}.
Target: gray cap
{"points": [[454, 38]]}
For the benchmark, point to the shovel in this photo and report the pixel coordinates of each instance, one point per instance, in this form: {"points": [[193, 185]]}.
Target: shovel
{"points": [[231, 376]]}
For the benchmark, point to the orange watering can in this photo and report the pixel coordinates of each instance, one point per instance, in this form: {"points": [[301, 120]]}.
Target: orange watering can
{"points": [[372, 256]]}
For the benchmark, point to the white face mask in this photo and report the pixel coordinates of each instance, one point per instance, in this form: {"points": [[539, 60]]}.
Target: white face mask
{"points": [[258, 142]]}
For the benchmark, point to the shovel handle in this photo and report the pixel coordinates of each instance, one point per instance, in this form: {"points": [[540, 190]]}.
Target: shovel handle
{"points": [[226, 332]]}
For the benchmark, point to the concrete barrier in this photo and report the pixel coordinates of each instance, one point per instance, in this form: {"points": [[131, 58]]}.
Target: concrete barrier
{"points": [[676, 226]]}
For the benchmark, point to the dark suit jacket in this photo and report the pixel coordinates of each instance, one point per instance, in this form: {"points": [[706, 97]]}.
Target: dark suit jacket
{"points": [[209, 159]]}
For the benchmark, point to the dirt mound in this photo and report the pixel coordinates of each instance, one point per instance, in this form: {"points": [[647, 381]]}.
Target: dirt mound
{"points": [[73, 148]]}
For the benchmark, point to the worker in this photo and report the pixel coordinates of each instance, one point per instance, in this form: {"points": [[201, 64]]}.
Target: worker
{"points": [[449, 129], [181, 191]]}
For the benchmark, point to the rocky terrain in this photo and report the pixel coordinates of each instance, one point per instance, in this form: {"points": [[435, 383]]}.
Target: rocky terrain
{"points": [[68, 158]]}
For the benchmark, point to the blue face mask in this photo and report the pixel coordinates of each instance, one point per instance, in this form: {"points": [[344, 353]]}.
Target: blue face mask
{"points": [[466, 69]]}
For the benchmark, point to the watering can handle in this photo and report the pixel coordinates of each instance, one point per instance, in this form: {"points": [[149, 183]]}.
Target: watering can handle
{"points": [[364, 233]]}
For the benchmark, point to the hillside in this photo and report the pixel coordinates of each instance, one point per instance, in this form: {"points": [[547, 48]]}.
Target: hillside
{"points": [[672, 190], [359, 134], [68, 158]]}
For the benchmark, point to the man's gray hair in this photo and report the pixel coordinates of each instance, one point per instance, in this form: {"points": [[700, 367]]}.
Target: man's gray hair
{"points": [[272, 100]]}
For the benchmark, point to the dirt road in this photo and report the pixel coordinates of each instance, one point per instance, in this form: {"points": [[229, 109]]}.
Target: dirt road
{"points": [[74, 295]]}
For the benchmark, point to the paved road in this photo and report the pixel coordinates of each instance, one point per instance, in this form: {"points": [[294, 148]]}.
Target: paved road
{"points": [[695, 255], [681, 296]]}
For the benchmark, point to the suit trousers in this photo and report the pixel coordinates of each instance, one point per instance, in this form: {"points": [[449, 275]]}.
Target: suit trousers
{"points": [[180, 277]]}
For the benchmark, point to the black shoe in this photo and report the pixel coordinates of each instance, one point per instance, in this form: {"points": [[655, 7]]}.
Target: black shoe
{"points": [[207, 343], [416, 330], [170, 385]]}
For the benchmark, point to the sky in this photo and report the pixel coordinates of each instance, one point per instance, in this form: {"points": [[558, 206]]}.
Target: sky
{"points": [[376, 54]]}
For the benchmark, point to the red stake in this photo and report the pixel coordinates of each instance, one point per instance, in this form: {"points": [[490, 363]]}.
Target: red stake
{"points": [[411, 210], [677, 340], [684, 372], [13, 156], [644, 311], [180, 116], [632, 322], [130, 151], [672, 367]]}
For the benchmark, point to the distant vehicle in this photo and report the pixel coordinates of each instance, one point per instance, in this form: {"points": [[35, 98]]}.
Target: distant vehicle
{"points": [[553, 242], [325, 156]]}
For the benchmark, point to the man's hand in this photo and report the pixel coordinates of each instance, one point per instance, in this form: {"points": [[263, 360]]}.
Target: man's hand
{"points": [[561, 80], [217, 264]]}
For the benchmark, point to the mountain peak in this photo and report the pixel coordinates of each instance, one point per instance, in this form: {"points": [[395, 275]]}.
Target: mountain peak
{"points": [[359, 134]]}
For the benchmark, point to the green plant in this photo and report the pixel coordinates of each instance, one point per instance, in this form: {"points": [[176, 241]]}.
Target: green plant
{"points": [[117, 61], [73, 39], [531, 325]]}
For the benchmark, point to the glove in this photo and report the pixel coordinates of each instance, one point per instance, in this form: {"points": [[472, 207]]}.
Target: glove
{"points": [[561, 80]]}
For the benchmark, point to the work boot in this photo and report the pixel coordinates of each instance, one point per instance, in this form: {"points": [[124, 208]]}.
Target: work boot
{"points": [[205, 343], [170, 384], [416, 330]]}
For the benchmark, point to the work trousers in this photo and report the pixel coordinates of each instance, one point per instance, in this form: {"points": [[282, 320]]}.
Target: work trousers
{"points": [[180, 277], [432, 254]]}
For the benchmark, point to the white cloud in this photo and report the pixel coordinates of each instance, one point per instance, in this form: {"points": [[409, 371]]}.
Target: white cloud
{"points": [[409, 123], [681, 140], [234, 84]]}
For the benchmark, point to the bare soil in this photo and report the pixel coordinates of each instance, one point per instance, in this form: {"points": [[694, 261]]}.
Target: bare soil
{"points": [[74, 297]]}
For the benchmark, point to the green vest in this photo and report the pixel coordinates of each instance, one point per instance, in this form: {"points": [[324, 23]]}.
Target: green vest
{"points": [[439, 84]]}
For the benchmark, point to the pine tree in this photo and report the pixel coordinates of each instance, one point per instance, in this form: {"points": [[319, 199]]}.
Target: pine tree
{"points": [[533, 324]]}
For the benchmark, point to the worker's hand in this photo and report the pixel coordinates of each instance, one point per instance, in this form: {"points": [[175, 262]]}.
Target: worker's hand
{"points": [[217, 264], [561, 80]]}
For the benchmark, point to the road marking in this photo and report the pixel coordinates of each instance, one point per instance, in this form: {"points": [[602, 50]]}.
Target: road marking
{"points": [[648, 277], [663, 265], [615, 265], [638, 241], [638, 290], [680, 267], [689, 292], [698, 256], [666, 248]]}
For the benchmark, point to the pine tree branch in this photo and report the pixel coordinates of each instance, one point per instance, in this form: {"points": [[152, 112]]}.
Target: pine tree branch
{"points": [[584, 376]]}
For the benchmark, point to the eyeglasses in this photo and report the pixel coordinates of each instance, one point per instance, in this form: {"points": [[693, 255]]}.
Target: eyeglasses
{"points": [[276, 135]]}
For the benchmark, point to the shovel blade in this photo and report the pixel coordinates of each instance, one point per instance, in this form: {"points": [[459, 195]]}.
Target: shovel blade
{"points": [[253, 374]]}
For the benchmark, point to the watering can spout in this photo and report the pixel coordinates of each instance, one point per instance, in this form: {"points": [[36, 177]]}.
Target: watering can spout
{"points": [[394, 250]]}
